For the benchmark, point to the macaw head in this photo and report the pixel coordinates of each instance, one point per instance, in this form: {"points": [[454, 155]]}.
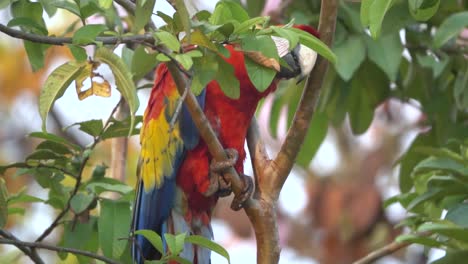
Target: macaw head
{"points": [[300, 60]]}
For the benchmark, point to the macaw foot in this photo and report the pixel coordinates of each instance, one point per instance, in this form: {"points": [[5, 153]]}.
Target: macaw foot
{"points": [[221, 184]]}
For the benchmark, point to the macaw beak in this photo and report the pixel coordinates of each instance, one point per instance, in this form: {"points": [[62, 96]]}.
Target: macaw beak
{"points": [[297, 63], [292, 68]]}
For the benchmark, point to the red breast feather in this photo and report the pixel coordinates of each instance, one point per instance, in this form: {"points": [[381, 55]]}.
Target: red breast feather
{"points": [[230, 118]]}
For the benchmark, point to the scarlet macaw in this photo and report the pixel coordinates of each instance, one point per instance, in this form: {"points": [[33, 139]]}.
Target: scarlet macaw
{"points": [[174, 191]]}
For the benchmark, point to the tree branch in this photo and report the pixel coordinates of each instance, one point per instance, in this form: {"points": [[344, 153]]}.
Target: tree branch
{"points": [[22, 244], [32, 254], [387, 250], [286, 157], [59, 41]]}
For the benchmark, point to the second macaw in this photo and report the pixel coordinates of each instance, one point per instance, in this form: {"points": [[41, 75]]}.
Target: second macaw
{"points": [[175, 191]]}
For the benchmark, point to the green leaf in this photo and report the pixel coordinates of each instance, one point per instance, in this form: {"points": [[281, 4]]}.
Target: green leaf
{"points": [[55, 147], [185, 60], [168, 40], [3, 203], [314, 43], [460, 93], [22, 197], [29, 24], [80, 202], [92, 127], [386, 52], [433, 194], [123, 79], [78, 52], [446, 229], [377, 12], [226, 11], [100, 187], [255, 7], [89, 8], [80, 235], [368, 89], [250, 23], [204, 70], [49, 7], [441, 163], [458, 214], [142, 63], [36, 54], [259, 75], [423, 10], [436, 65], [122, 128], [452, 257], [70, 6], [55, 86], [43, 154], [290, 36], [54, 138], [365, 10], [28, 9], [171, 244], [184, 16], [114, 224], [207, 243], [410, 238], [106, 4], [99, 172], [450, 28], [87, 34], [316, 134], [226, 79], [352, 53], [200, 39], [143, 12], [178, 259], [153, 238]]}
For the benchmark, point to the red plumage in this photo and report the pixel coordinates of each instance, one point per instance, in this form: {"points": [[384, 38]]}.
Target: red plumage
{"points": [[230, 119]]}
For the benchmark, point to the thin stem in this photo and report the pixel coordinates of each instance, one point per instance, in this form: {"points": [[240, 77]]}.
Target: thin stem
{"points": [[59, 41], [387, 250], [32, 254], [62, 213], [23, 244]]}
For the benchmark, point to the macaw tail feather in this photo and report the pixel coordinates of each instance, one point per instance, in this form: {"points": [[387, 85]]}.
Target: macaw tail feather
{"points": [[196, 254], [152, 210]]}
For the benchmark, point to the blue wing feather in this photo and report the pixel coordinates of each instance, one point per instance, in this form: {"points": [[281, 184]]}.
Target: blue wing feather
{"points": [[152, 209], [189, 131]]}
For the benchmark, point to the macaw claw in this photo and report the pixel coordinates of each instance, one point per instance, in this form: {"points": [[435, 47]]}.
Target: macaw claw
{"points": [[247, 191], [220, 183]]}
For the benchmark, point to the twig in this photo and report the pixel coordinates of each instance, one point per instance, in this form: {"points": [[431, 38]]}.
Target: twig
{"points": [[32, 254], [119, 147], [387, 250], [23, 244], [62, 213], [130, 7], [59, 41]]}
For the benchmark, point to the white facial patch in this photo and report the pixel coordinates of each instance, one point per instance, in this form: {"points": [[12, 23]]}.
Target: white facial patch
{"points": [[307, 58], [282, 45]]}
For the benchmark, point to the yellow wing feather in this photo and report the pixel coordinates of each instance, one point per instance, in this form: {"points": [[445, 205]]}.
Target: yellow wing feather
{"points": [[159, 142]]}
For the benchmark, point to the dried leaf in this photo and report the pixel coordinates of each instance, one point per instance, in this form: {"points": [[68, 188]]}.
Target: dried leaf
{"points": [[102, 88]]}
